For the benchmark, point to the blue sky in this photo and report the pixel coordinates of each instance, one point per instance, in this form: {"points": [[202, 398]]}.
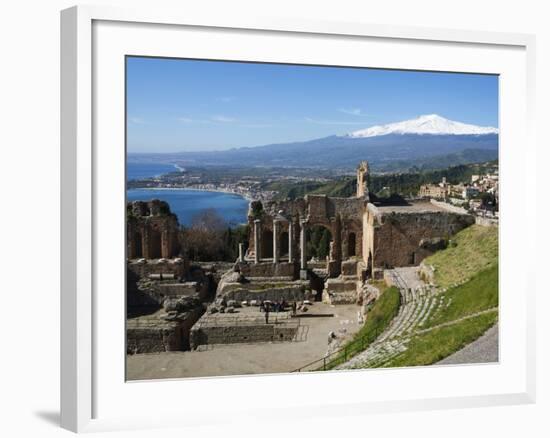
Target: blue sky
{"points": [[187, 105]]}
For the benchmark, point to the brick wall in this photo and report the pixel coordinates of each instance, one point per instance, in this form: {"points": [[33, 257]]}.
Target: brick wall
{"points": [[235, 334], [396, 239]]}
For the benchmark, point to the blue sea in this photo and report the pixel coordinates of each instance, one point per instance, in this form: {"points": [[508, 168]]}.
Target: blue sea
{"points": [[187, 203], [147, 170]]}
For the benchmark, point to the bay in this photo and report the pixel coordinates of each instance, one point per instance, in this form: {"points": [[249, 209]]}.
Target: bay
{"points": [[187, 203]]}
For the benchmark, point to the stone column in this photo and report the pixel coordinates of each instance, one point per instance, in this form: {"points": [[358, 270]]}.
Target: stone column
{"points": [[241, 252], [145, 248], [290, 241], [275, 241], [257, 241], [303, 252]]}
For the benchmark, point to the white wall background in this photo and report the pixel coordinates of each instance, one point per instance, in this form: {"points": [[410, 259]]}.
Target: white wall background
{"points": [[29, 214]]}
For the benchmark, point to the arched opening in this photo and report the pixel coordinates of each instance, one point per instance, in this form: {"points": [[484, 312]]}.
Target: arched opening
{"points": [[154, 244], [283, 244], [318, 242], [369, 266], [138, 248], [267, 244], [352, 245]]}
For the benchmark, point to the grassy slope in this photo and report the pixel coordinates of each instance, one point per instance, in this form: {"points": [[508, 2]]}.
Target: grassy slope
{"points": [[342, 188], [430, 347], [473, 264], [476, 249], [478, 294], [379, 318]]}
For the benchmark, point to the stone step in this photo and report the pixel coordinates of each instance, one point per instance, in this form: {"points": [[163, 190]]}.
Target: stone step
{"points": [[341, 285], [320, 272], [335, 298]]}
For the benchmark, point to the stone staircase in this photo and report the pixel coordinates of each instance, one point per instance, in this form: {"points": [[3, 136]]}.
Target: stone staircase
{"points": [[418, 304]]}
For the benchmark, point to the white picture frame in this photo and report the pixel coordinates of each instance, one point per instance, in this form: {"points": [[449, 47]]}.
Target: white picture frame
{"points": [[93, 395]]}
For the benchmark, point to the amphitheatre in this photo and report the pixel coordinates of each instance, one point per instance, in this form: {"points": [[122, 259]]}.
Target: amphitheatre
{"points": [[400, 279]]}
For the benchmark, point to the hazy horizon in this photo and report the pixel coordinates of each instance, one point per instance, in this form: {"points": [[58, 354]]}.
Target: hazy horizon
{"points": [[178, 105]]}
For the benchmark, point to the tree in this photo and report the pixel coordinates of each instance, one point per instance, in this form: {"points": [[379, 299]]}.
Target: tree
{"points": [[324, 244], [318, 241], [203, 240], [210, 239]]}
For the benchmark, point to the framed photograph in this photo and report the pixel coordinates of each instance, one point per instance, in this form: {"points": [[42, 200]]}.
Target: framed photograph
{"points": [[265, 206]]}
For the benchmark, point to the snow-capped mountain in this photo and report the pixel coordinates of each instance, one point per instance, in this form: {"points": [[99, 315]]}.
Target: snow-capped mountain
{"points": [[429, 141], [431, 124]]}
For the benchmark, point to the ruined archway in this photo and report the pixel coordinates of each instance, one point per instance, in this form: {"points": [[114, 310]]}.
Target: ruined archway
{"points": [[352, 245], [267, 244]]}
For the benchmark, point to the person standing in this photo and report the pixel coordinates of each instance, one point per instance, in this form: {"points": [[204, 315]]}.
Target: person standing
{"points": [[266, 313]]}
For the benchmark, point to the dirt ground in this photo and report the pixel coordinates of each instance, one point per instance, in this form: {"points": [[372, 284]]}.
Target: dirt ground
{"points": [[239, 359]]}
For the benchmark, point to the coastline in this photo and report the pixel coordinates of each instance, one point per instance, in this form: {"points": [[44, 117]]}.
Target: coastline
{"points": [[197, 189]]}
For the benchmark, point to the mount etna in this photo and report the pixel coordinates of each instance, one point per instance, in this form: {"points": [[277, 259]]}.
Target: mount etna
{"points": [[426, 142]]}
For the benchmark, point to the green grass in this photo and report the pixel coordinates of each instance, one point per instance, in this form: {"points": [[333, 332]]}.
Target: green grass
{"points": [[342, 188], [470, 251], [435, 345], [379, 318], [292, 190], [477, 294], [468, 269]]}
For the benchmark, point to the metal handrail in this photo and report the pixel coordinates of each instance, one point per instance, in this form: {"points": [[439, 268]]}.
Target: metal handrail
{"points": [[346, 350]]}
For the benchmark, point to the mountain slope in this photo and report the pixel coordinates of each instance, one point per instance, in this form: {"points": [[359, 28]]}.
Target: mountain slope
{"points": [[431, 124], [405, 145]]}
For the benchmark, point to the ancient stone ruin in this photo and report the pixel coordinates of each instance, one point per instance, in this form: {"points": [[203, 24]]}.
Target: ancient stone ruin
{"points": [[190, 307], [165, 294], [368, 236], [152, 230]]}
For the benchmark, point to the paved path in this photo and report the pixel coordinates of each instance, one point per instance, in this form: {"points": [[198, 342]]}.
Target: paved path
{"points": [[410, 275], [482, 350], [235, 359]]}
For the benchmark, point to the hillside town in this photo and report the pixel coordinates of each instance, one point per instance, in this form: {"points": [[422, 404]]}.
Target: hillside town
{"points": [[479, 196]]}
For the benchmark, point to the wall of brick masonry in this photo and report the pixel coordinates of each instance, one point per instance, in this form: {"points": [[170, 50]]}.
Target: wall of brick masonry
{"points": [[268, 269], [186, 289], [288, 293], [152, 336], [241, 333], [396, 238]]}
